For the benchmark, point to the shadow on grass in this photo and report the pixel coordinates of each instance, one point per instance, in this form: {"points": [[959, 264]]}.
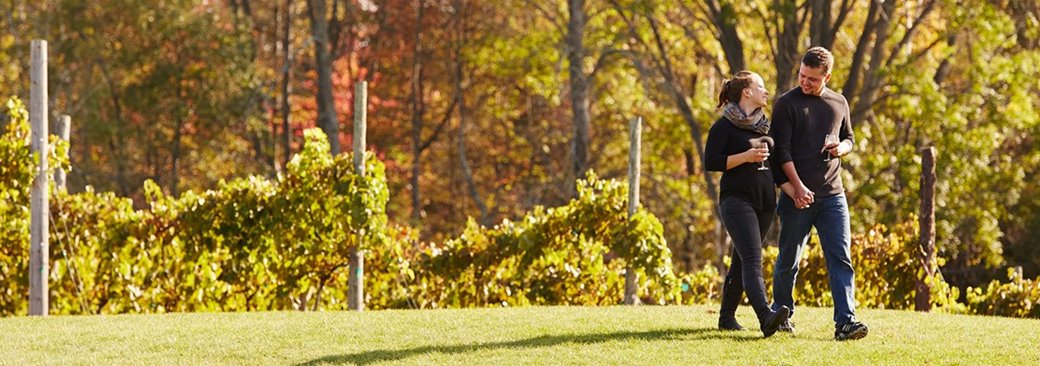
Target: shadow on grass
{"points": [[368, 357]]}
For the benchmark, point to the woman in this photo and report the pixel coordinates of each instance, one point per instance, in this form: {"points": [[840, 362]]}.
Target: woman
{"points": [[747, 201]]}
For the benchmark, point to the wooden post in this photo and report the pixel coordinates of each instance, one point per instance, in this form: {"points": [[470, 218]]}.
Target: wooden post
{"points": [[634, 154], [39, 231], [356, 279], [926, 220], [64, 125], [360, 127]]}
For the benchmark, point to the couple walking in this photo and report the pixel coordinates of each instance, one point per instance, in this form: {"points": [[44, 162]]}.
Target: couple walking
{"points": [[810, 131]]}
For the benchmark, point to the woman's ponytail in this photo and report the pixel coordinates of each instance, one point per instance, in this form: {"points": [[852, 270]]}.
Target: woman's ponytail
{"points": [[732, 88], [723, 98]]}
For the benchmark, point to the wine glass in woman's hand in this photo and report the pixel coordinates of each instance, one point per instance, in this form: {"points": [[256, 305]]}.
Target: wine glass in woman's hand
{"points": [[764, 142]]}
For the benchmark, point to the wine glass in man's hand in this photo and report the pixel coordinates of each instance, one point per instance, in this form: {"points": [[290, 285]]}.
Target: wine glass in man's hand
{"points": [[764, 142], [829, 142]]}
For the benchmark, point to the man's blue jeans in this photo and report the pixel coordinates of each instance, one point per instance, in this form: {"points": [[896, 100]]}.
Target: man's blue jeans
{"points": [[830, 216]]}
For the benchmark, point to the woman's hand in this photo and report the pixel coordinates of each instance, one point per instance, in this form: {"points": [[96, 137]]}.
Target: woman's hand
{"points": [[755, 155], [800, 194]]}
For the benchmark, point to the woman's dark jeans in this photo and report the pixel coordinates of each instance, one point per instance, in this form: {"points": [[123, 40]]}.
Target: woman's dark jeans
{"points": [[747, 227]]}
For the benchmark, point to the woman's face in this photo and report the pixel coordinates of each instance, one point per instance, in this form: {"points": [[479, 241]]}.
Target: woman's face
{"points": [[756, 93]]}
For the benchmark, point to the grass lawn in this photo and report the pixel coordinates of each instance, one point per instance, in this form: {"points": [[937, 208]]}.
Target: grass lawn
{"points": [[644, 335]]}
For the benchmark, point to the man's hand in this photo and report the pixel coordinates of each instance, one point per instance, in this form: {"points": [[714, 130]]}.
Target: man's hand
{"points": [[805, 197], [840, 149], [800, 194]]}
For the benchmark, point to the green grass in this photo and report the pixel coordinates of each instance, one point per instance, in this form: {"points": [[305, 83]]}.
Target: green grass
{"points": [[645, 335]]}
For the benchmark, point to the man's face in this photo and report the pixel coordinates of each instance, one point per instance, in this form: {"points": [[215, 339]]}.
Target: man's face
{"points": [[812, 79]]}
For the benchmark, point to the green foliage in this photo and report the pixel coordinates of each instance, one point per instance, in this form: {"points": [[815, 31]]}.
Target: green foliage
{"points": [[256, 244], [887, 264], [251, 244], [573, 254], [1018, 298], [164, 90], [15, 179], [18, 166], [980, 119], [259, 244], [702, 286], [189, 99]]}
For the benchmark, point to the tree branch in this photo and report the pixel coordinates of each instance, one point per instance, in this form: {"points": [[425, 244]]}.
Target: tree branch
{"points": [[910, 32]]}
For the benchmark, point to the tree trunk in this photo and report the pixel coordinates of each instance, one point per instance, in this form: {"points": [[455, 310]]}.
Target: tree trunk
{"points": [[117, 141], [787, 48], [823, 27], [579, 85], [849, 90], [175, 157], [820, 23], [287, 60], [944, 67], [327, 118], [1025, 14], [460, 96], [417, 113], [725, 19], [872, 79]]}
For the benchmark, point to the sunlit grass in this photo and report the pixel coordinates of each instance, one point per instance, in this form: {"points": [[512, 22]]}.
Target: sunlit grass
{"points": [[645, 335]]}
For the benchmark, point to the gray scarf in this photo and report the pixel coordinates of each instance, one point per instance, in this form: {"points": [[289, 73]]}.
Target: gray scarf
{"points": [[757, 121]]}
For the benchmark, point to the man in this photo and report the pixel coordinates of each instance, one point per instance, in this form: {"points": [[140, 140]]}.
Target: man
{"points": [[808, 172]]}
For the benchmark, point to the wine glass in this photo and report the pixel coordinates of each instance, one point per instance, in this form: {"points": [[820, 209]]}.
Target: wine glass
{"points": [[829, 141], [761, 143]]}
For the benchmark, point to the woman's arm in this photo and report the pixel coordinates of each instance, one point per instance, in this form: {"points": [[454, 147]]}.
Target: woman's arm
{"points": [[715, 157]]}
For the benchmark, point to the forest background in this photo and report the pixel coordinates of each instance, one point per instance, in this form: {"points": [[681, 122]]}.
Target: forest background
{"points": [[487, 109]]}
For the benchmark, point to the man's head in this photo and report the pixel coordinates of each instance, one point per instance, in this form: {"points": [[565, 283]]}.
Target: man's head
{"points": [[815, 70]]}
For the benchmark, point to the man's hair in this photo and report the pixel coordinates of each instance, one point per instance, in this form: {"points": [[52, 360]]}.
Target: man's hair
{"points": [[818, 57]]}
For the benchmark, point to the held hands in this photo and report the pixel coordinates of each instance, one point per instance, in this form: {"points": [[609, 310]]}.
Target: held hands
{"points": [[801, 194]]}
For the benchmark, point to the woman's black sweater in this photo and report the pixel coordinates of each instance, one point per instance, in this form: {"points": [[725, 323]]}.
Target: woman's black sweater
{"points": [[744, 181]]}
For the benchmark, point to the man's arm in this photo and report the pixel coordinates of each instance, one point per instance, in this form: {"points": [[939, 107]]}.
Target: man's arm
{"points": [[794, 187], [844, 133], [781, 131]]}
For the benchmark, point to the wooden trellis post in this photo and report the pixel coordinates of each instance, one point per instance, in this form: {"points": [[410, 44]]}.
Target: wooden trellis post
{"points": [[634, 155], [926, 220], [64, 125], [356, 279], [39, 204]]}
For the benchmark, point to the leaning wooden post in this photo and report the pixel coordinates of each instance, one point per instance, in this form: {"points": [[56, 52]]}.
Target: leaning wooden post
{"points": [[355, 282], [634, 154], [64, 124], [923, 298], [40, 207]]}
